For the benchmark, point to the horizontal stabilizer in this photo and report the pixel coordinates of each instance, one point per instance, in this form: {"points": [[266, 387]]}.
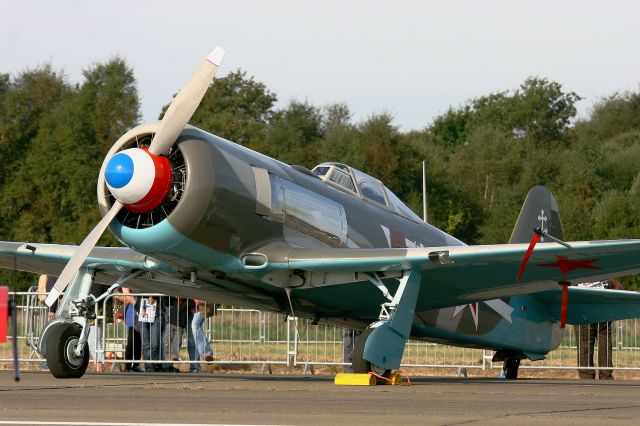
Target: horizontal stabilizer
{"points": [[591, 305]]}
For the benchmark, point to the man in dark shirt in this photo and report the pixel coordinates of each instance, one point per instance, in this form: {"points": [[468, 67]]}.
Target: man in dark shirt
{"points": [[586, 335]]}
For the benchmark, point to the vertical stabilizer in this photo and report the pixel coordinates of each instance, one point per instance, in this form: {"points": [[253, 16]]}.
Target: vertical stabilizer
{"points": [[539, 210]]}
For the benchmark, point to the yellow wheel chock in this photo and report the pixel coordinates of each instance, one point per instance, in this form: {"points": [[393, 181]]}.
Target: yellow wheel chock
{"points": [[369, 379]]}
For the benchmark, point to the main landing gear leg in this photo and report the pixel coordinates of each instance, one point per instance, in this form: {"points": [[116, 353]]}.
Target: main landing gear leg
{"points": [[63, 342], [380, 347]]}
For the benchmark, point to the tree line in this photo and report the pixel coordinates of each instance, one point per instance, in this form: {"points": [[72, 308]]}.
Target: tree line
{"points": [[482, 156]]}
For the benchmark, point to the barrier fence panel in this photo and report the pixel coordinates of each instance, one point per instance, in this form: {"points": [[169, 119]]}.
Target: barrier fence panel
{"points": [[248, 336], [32, 316], [237, 336], [320, 344], [251, 337], [432, 355]]}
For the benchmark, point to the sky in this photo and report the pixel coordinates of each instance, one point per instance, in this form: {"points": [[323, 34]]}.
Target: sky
{"points": [[411, 59]]}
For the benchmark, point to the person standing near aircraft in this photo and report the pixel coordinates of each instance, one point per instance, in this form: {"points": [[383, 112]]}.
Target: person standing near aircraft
{"points": [[133, 350], [179, 317], [203, 310], [152, 319], [45, 284], [191, 309], [173, 330], [586, 335], [177, 321]]}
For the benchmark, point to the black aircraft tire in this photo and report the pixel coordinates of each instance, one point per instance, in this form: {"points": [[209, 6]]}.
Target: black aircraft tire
{"points": [[511, 366], [61, 344], [360, 365]]}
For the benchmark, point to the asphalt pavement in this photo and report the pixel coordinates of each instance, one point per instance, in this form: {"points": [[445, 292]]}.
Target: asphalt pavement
{"points": [[181, 398]]}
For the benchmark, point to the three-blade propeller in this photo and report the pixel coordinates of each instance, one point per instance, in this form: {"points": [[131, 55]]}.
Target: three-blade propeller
{"points": [[174, 121]]}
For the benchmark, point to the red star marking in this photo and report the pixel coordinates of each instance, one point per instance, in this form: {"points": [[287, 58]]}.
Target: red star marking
{"points": [[568, 265]]}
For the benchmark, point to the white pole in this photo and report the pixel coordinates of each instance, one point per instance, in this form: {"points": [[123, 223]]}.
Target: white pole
{"points": [[424, 191]]}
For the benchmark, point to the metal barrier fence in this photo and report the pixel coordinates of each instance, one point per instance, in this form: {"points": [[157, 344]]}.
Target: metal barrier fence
{"points": [[251, 337]]}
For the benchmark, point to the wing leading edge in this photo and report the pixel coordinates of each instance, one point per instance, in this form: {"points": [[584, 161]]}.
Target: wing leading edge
{"points": [[51, 258]]}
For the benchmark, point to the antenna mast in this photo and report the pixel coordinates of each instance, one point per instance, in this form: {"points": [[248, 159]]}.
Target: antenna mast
{"points": [[424, 191]]}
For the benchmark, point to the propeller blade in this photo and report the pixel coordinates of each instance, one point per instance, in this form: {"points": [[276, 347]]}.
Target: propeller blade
{"points": [[185, 103], [175, 119], [527, 255], [81, 254]]}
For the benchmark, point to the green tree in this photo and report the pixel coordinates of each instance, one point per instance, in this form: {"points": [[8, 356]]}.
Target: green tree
{"points": [[542, 110], [23, 100], [294, 134], [612, 116], [619, 163], [378, 141], [539, 111], [612, 218], [236, 107], [488, 170], [340, 141], [111, 96], [451, 128], [50, 195]]}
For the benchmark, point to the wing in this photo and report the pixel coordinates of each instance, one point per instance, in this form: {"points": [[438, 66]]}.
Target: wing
{"points": [[109, 263], [51, 258], [591, 305], [457, 275], [449, 276], [112, 262]]}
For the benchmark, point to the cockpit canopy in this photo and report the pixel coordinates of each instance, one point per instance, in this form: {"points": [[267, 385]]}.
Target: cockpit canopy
{"points": [[362, 185]]}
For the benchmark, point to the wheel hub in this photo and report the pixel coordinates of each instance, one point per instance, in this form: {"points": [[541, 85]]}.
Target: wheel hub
{"points": [[70, 351]]}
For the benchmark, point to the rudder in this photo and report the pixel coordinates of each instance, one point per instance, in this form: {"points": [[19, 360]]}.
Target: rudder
{"points": [[539, 210]]}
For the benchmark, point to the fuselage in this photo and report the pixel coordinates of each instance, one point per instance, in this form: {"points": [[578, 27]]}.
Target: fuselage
{"points": [[237, 204]]}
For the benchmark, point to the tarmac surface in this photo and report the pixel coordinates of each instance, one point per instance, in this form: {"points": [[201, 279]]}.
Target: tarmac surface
{"points": [[181, 398]]}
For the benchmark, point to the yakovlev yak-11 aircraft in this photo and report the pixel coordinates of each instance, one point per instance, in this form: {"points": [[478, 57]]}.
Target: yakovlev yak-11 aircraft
{"points": [[203, 217]]}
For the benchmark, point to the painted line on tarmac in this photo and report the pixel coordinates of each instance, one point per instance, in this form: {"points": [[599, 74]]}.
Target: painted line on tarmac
{"points": [[32, 422]]}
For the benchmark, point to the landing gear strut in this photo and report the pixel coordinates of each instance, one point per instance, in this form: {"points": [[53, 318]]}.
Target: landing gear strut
{"points": [[380, 347], [63, 342]]}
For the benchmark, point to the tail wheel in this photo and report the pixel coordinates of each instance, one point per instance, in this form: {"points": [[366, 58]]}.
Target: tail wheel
{"points": [[61, 347], [361, 365], [510, 368]]}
